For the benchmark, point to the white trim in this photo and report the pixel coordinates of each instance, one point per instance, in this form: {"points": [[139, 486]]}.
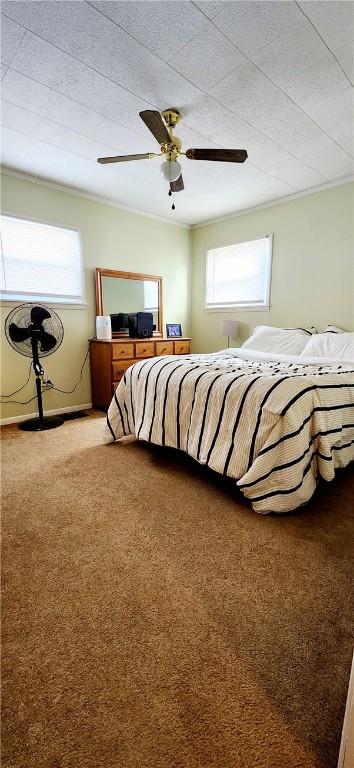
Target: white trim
{"points": [[53, 412], [105, 201], [35, 220], [277, 201], [238, 308], [52, 304], [348, 724], [95, 198]]}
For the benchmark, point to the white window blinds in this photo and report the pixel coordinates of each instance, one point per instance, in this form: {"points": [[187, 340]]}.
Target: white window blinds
{"points": [[40, 262], [151, 300], [239, 275]]}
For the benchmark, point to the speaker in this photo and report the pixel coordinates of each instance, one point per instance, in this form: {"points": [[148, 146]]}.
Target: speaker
{"points": [[132, 326], [144, 321], [119, 322], [140, 325]]}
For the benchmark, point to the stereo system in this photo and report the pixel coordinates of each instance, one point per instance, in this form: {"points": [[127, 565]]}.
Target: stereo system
{"points": [[119, 322], [138, 324]]}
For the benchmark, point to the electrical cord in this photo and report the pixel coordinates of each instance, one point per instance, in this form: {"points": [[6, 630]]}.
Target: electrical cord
{"points": [[11, 394], [20, 402], [57, 389], [69, 391]]}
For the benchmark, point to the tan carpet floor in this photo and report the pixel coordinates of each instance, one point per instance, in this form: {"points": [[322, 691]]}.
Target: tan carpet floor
{"points": [[151, 619]]}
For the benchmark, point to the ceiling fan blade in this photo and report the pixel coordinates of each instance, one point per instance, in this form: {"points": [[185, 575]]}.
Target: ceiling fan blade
{"points": [[38, 314], [124, 158], [18, 334], [156, 125], [220, 155], [177, 186], [46, 340]]}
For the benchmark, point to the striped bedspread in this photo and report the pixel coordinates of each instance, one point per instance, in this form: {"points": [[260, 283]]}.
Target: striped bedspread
{"points": [[275, 427]]}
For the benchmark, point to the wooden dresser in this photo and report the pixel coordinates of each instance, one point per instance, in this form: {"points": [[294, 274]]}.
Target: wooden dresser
{"points": [[110, 359]]}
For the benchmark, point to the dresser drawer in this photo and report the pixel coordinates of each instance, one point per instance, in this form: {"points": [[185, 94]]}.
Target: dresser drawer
{"points": [[182, 347], [109, 361], [164, 347], [119, 368], [144, 349], [122, 351]]}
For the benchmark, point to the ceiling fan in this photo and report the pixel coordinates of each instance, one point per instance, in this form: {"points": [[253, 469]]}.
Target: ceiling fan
{"points": [[161, 126]]}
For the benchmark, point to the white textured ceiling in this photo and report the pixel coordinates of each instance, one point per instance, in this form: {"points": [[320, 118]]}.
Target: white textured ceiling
{"points": [[275, 78]]}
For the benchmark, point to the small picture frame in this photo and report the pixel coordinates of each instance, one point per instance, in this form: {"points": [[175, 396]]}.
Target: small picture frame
{"points": [[173, 330]]}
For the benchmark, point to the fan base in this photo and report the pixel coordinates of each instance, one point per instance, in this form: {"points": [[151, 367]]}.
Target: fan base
{"points": [[39, 425]]}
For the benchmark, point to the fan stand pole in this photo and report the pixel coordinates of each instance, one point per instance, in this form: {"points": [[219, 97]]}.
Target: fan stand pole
{"points": [[39, 397], [41, 423]]}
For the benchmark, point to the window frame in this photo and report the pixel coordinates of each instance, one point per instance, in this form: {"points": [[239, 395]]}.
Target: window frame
{"points": [[17, 297], [241, 307]]}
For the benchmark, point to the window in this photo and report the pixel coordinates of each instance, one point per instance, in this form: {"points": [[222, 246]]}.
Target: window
{"points": [[40, 262], [151, 299], [239, 275]]}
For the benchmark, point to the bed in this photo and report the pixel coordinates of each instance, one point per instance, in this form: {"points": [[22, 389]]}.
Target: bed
{"points": [[275, 423]]}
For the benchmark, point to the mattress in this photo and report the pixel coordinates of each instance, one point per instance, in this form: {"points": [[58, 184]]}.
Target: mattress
{"points": [[274, 425]]}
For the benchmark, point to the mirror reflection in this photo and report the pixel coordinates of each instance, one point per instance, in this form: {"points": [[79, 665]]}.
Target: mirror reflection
{"points": [[129, 296]]}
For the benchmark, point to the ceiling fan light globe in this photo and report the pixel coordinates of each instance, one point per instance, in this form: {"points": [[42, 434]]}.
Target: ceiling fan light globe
{"points": [[171, 170]]}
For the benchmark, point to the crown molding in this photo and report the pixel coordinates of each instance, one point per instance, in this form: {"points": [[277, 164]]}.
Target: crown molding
{"points": [[276, 201], [94, 198], [219, 219]]}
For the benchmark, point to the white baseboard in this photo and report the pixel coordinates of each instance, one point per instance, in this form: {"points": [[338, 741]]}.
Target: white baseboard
{"points": [[346, 754], [54, 412]]}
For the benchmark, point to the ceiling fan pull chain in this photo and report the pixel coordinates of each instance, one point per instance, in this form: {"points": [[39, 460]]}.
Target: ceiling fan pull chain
{"points": [[173, 201], [169, 193]]}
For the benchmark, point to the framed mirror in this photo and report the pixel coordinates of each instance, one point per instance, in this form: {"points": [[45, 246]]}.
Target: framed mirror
{"points": [[129, 292]]}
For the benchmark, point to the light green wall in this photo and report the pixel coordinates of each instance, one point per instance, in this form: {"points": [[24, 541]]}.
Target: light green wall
{"points": [[312, 275], [313, 266], [111, 238]]}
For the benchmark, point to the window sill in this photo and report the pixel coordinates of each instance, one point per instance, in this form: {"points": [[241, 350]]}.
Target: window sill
{"points": [[236, 308], [52, 304]]}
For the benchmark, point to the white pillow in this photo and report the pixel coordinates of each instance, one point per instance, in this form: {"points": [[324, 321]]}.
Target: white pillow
{"points": [[265, 338], [310, 330], [334, 329], [338, 346]]}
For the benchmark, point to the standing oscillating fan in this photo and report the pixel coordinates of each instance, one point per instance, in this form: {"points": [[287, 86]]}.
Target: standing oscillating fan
{"points": [[35, 331]]}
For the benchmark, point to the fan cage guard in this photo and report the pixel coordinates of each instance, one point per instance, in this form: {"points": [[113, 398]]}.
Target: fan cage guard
{"points": [[21, 316]]}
